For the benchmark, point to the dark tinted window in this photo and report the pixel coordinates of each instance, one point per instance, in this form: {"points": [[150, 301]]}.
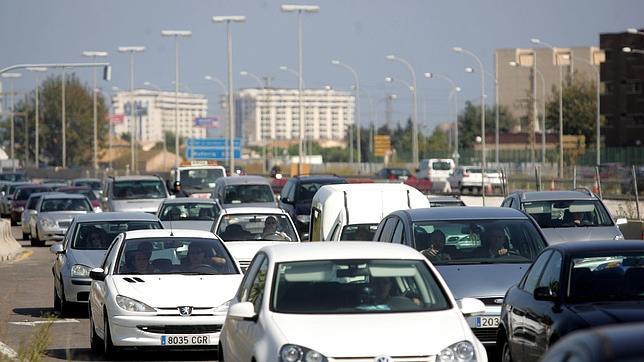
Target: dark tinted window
{"points": [[200, 178], [606, 277], [551, 273], [532, 278], [306, 190], [23, 193], [388, 229], [31, 204], [188, 211], [139, 189], [441, 166], [243, 194], [99, 235], [94, 185], [568, 213], [358, 232], [51, 205]]}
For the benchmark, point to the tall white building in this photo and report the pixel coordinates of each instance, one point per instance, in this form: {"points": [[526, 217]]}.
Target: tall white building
{"points": [[264, 114], [155, 113]]}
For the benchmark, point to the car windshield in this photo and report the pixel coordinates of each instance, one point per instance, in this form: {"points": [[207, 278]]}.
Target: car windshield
{"points": [[200, 178], [94, 185], [51, 205], [611, 276], [441, 166], [139, 189], [99, 235], [242, 227], [174, 255], [86, 192], [188, 211], [358, 232], [478, 241], [568, 213], [13, 177], [306, 190], [244, 194], [356, 286], [25, 192]]}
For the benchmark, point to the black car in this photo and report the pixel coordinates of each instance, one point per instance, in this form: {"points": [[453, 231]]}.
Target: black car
{"points": [[297, 195], [572, 286]]}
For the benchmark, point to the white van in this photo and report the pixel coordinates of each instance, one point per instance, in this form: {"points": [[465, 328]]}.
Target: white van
{"points": [[353, 211], [435, 169]]}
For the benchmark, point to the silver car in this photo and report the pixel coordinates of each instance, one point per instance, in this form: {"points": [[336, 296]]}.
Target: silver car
{"points": [[55, 212], [188, 213], [28, 213], [84, 248], [244, 191], [479, 251], [567, 215], [134, 193]]}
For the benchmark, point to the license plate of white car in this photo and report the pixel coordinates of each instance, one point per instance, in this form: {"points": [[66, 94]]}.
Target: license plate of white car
{"points": [[185, 340], [487, 322]]}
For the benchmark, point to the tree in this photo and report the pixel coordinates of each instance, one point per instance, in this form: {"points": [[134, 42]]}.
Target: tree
{"points": [[79, 128], [469, 123], [579, 108]]}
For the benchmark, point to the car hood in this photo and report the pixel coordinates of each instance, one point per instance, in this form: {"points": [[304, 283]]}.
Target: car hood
{"points": [[61, 215], [246, 250], [204, 225], [170, 291], [560, 235], [90, 258], [481, 280], [250, 204], [371, 335], [145, 205], [597, 314]]}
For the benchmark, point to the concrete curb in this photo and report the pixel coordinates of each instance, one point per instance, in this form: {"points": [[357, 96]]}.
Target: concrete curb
{"points": [[9, 247]]}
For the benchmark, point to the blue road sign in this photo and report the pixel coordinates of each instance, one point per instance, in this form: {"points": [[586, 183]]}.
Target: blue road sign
{"points": [[211, 142], [211, 148]]}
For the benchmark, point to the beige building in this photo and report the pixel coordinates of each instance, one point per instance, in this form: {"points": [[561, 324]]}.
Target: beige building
{"points": [[264, 114], [156, 113], [515, 83]]}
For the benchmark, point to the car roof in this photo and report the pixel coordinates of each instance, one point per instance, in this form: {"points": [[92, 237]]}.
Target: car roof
{"points": [[61, 195], [252, 210], [343, 250], [168, 233], [367, 187], [444, 199], [598, 246], [555, 195], [189, 200], [135, 178], [74, 188], [243, 180], [116, 216], [86, 179], [463, 213]]}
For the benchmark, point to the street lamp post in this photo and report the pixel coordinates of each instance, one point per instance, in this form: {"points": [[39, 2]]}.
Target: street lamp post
{"points": [[176, 34], [12, 77], [231, 105], [300, 9], [496, 111], [304, 147], [414, 120], [94, 55], [453, 94], [483, 150], [357, 110], [37, 121], [131, 50]]}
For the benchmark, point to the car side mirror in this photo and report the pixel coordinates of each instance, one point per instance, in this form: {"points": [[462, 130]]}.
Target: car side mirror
{"points": [[243, 311], [621, 221], [57, 248], [285, 200], [97, 274], [544, 293], [470, 306]]}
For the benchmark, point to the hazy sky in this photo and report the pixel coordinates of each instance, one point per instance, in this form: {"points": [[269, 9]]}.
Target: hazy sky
{"points": [[358, 32]]}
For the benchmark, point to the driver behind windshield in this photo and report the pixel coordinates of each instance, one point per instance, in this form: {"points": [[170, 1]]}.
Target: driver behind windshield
{"points": [[495, 242], [270, 231], [201, 255]]}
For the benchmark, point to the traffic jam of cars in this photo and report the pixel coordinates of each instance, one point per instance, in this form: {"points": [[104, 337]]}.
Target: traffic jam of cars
{"points": [[333, 270]]}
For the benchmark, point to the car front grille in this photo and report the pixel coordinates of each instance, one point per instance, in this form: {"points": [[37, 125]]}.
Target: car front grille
{"points": [[170, 329], [64, 224], [394, 358], [485, 334]]}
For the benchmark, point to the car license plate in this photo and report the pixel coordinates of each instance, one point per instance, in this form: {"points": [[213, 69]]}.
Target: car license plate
{"points": [[190, 340], [487, 322]]}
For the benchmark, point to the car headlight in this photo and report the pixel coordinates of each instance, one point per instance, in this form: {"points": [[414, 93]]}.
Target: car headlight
{"points": [[132, 305], [47, 223], [295, 353], [80, 270], [223, 308], [98, 209], [303, 218], [462, 351]]}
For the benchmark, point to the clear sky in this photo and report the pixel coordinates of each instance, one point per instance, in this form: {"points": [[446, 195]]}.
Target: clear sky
{"points": [[357, 32]]}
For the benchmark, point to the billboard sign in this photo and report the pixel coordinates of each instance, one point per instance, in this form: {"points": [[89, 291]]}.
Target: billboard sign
{"points": [[206, 122]]}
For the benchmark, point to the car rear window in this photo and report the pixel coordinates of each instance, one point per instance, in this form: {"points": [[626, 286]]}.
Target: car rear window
{"points": [[441, 166], [568, 213], [100, 234], [139, 189]]}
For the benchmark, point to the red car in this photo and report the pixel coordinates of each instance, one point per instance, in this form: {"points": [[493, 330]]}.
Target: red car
{"points": [[20, 196]]}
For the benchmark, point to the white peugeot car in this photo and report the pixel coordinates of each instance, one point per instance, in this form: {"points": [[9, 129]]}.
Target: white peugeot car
{"points": [[350, 301], [161, 288]]}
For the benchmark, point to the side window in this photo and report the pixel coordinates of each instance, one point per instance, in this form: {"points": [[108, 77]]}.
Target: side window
{"points": [[399, 234], [256, 292], [507, 202], [388, 229], [244, 287], [291, 192], [286, 189], [551, 273], [110, 255], [530, 281]]}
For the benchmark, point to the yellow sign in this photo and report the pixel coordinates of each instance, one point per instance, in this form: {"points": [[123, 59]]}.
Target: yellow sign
{"points": [[381, 145], [572, 141]]}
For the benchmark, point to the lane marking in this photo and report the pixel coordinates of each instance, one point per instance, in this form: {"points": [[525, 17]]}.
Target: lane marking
{"points": [[7, 351], [35, 323], [24, 255]]}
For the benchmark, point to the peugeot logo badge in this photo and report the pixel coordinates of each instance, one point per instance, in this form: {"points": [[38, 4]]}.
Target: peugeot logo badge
{"points": [[185, 311], [383, 359]]}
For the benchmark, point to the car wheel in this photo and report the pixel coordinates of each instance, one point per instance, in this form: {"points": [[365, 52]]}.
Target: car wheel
{"points": [[109, 348], [95, 341], [25, 236], [65, 306], [506, 356], [220, 352], [13, 222], [56, 301]]}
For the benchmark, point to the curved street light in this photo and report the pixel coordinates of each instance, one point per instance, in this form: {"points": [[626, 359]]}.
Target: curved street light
{"points": [[414, 119], [357, 109], [453, 94]]}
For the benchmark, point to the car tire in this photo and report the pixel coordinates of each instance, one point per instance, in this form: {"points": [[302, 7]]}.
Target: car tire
{"points": [[506, 356], [96, 343], [109, 348], [25, 236], [65, 306], [56, 301], [13, 222], [36, 240], [220, 352]]}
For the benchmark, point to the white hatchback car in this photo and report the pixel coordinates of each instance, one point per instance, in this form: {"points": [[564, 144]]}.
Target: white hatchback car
{"points": [[355, 301], [161, 288]]}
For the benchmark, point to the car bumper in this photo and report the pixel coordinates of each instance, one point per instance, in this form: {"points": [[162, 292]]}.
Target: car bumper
{"points": [[135, 331], [485, 333], [77, 289]]}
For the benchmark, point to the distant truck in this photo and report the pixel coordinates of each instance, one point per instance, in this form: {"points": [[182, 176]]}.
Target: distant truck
{"points": [[196, 178]]}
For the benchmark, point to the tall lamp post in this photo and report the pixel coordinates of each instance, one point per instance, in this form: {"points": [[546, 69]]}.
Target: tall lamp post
{"points": [[131, 50], [176, 34], [496, 111], [304, 147], [300, 9], [414, 120], [37, 70], [12, 77], [94, 55], [231, 105], [357, 110], [453, 95], [483, 150]]}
